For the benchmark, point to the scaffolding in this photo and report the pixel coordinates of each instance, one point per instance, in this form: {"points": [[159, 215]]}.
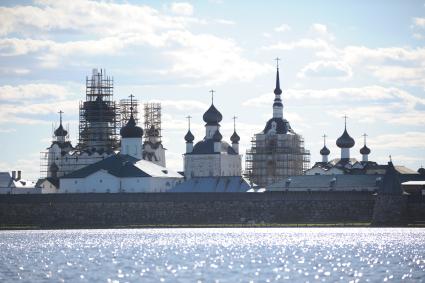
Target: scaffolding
{"points": [[152, 115], [273, 158], [99, 115], [125, 110]]}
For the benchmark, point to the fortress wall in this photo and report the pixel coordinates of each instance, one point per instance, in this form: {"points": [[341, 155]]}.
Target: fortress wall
{"points": [[103, 210]]}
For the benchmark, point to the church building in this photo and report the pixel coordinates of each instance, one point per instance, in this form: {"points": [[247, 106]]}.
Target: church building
{"points": [[212, 157], [278, 151]]}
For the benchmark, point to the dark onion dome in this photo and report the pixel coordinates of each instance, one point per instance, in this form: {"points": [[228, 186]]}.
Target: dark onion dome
{"points": [[345, 141], [189, 138], [325, 151], [212, 116], [364, 150], [130, 130], [60, 131], [421, 171], [53, 167], [153, 132], [207, 147], [235, 138], [282, 126], [217, 136]]}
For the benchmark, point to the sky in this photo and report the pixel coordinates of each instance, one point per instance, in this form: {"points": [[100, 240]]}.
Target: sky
{"points": [[363, 59]]}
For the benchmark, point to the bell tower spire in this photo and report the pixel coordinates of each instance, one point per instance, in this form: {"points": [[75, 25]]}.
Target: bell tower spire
{"points": [[277, 103]]}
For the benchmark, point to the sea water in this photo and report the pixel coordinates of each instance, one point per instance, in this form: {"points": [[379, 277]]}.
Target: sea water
{"points": [[214, 255]]}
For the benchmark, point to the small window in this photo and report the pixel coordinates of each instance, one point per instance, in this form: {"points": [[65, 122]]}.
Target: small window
{"points": [[100, 181], [75, 182]]}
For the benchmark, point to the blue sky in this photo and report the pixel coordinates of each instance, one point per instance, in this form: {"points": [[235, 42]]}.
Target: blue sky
{"points": [[365, 59]]}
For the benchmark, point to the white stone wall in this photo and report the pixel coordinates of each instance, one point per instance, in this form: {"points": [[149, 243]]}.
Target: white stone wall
{"points": [[103, 182], [212, 165], [132, 147]]}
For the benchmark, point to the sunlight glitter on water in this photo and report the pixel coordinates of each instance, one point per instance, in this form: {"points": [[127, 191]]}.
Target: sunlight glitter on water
{"points": [[214, 255]]}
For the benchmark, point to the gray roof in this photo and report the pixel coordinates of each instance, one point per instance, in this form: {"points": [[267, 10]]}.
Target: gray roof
{"points": [[312, 182], [118, 165], [213, 184], [5, 180], [206, 146]]}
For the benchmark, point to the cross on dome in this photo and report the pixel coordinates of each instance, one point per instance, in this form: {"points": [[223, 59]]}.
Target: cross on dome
{"points": [[212, 96]]}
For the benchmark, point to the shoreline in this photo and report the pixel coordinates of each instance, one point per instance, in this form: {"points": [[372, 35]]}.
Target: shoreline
{"points": [[165, 226]]}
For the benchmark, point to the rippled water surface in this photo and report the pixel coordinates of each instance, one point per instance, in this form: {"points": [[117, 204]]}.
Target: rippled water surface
{"points": [[214, 255]]}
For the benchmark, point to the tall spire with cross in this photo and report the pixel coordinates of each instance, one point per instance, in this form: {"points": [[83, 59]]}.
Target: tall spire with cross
{"points": [[277, 103]]}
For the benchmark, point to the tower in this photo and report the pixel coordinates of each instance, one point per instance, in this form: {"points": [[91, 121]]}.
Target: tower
{"points": [[210, 157], [131, 136], [365, 151], [278, 151], [189, 138], [99, 115], [324, 152], [153, 150], [235, 137], [345, 142]]}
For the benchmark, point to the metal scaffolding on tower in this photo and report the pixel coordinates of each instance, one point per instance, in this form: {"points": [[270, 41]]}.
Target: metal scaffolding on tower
{"points": [[273, 158], [125, 110], [99, 115], [152, 116]]}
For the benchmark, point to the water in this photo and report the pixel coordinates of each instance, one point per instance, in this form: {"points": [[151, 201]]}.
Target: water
{"points": [[214, 255]]}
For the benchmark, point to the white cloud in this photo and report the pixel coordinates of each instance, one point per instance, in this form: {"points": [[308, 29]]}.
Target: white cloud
{"points": [[419, 22], [225, 22], [182, 8], [30, 92], [283, 28], [402, 140], [321, 30], [326, 69], [113, 28]]}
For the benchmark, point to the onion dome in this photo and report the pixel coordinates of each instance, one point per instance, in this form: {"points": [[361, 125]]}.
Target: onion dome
{"points": [[421, 171], [61, 132], [153, 132], [212, 116], [235, 138], [325, 151], [53, 167], [217, 137], [364, 150], [189, 138], [345, 141], [130, 130]]}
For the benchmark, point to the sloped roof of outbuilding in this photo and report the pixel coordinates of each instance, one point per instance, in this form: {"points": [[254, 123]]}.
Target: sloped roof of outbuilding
{"points": [[124, 166], [231, 184]]}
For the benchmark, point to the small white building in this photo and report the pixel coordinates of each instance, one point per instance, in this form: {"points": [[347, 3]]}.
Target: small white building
{"points": [[212, 157], [120, 174], [14, 184]]}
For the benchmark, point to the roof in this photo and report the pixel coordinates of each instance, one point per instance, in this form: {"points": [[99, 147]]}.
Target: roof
{"points": [[212, 116], [414, 183], [345, 140], [124, 166], [340, 181], [206, 146], [213, 184], [282, 126], [5, 180]]}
